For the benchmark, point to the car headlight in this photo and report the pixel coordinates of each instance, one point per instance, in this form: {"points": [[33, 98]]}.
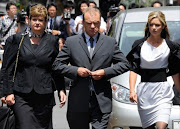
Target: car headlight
{"points": [[121, 94]]}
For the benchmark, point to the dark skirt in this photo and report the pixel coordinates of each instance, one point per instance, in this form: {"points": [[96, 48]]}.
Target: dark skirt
{"points": [[33, 111]]}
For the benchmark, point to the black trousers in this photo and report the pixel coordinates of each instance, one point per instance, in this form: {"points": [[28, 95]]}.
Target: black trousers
{"points": [[33, 111], [81, 120]]}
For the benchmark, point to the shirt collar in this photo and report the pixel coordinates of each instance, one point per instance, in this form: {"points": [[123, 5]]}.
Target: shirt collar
{"points": [[87, 37], [51, 18]]}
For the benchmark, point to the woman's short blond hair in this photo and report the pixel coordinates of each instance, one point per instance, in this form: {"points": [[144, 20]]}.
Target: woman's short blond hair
{"points": [[38, 10], [161, 17]]}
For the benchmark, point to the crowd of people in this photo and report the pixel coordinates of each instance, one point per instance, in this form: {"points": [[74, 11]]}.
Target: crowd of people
{"points": [[41, 48]]}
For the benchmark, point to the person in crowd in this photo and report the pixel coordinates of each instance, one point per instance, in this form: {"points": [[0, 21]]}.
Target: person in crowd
{"points": [[54, 25], [156, 3], [154, 58], [28, 79], [8, 23], [122, 6], [91, 56], [21, 21], [83, 5], [92, 4], [68, 21], [103, 27]]}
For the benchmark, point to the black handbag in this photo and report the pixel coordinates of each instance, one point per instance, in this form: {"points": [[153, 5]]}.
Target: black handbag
{"points": [[7, 119]]}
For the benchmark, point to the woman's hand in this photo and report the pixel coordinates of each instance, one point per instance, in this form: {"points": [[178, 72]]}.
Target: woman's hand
{"points": [[10, 99], [133, 97], [62, 98]]}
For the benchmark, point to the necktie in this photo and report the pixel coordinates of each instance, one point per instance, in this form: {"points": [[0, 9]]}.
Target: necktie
{"points": [[51, 24], [91, 46]]}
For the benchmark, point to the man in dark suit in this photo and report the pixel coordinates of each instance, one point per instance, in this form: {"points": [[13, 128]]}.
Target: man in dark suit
{"points": [[91, 56], [55, 23]]}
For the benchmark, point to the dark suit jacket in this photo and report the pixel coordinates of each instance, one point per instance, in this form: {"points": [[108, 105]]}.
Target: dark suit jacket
{"points": [[58, 25], [76, 53], [34, 70], [174, 57]]}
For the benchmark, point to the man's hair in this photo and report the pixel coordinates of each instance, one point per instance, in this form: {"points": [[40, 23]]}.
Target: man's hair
{"points": [[9, 4], [92, 1], [83, 2], [68, 4], [92, 11], [157, 1], [51, 4], [38, 10]]}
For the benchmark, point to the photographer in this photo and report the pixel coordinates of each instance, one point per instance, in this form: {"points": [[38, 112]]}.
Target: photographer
{"points": [[112, 12], [21, 21], [8, 23], [67, 19]]}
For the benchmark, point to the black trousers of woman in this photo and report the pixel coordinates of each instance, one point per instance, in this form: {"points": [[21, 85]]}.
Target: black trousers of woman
{"points": [[33, 111]]}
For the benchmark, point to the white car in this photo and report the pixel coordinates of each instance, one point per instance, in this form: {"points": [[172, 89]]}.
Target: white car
{"points": [[128, 26]]}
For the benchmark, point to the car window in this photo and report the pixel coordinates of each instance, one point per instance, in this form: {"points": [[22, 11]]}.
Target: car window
{"points": [[133, 31]]}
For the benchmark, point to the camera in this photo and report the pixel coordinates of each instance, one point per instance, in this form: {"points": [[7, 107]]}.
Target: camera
{"points": [[67, 15], [113, 11], [21, 16]]}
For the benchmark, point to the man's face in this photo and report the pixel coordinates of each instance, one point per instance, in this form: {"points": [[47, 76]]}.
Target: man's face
{"points": [[12, 10], [52, 11], [91, 23], [68, 9], [121, 8], [83, 7]]}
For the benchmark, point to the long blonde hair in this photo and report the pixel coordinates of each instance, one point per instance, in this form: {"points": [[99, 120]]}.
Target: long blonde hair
{"points": [[161, 17]]}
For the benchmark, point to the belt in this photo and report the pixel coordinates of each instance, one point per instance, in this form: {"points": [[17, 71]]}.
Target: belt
{"points": [[153, 75]]}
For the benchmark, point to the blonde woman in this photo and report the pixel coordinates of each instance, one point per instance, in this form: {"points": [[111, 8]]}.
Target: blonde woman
{"points": [[154, 58], [31, 96]]}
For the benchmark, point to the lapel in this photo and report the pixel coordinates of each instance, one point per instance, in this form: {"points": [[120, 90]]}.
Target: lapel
{"points": [[42, 43], [27, 44], [83, 43], [98, 44]]}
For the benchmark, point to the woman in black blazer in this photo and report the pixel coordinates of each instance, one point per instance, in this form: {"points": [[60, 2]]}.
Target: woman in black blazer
{"points": [[31, 95]]}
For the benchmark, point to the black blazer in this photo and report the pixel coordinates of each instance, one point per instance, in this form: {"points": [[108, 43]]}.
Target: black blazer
{"points": [[105, 54], [34, 71], [174, 57]]}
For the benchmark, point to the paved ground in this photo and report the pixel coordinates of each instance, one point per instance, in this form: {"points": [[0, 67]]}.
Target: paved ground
{"points": [[59, 115]]}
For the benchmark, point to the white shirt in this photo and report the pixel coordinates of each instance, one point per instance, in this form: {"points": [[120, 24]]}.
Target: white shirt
{"points": [[88, 42], [49, 21]]}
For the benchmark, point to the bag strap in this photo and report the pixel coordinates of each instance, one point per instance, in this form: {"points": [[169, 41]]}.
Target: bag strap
{"points": [[17, 58], [9, 28]]}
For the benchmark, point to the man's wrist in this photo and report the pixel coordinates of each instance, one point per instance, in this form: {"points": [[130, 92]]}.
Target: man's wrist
{"points": [[132, 91]]}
